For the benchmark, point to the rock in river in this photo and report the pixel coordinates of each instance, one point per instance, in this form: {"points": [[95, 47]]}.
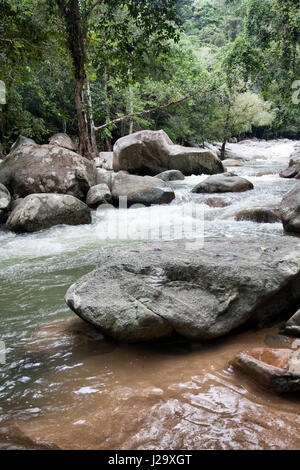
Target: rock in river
{"points": [[147, 292], [32, 168], [290, 210], [170, 175], [275, 369], [152, 152], [140, 190], [293, 325], [40, 211], [97, 195], [5, 198], [225, 183], [261, 215]]}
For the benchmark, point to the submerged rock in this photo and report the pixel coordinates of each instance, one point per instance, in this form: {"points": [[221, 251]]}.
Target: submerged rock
{"points": [[276, 369], [148, 292], [262, 215], [41, 211], [140, 190], [290, 172], [290, 210], [152, 152], [224, 183], [47, 169], [170, 175], [216, 202], [231, 162], [99, 194]]}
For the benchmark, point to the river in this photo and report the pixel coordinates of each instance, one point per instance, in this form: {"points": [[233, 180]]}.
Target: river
{"points": [[63, 386]]}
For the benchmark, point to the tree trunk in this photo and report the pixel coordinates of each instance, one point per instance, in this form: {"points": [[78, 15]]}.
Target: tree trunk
{"points": [[223, 148], [85, 147], [91, 119]]}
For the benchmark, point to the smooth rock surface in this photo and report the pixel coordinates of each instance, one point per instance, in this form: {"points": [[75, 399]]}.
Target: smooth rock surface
{"points": [[231, 162], [224, 183], [41, 211], [149, 291], [290, 210], [47, 169], [152, 152], [140, 190]]}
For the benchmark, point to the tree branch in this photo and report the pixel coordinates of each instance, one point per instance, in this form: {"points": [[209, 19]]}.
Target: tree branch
{"points": [[94, 5], [151, 110]]}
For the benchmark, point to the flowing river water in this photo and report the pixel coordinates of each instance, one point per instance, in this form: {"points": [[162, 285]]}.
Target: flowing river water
{"points": [[65, 386]]}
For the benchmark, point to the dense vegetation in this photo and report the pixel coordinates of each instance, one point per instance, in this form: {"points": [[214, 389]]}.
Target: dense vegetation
{"points": [[208, 70]]}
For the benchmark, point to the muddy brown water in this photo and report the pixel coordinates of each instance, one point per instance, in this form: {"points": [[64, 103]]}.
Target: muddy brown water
{"points": [[64, 386]]}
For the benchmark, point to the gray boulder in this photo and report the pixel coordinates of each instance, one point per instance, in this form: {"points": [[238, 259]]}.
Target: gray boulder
{"points": [[5, 198], [225, 183], [140, 190], [47, 169], [148, 291], [62, 140], [232, 162], [99, 194], [293, 325], [41, 211], [152, 152], [290, 210], [170, 175]]}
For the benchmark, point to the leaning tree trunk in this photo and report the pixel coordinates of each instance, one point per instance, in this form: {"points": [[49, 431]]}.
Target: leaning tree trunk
{"points": [[91, 119]]}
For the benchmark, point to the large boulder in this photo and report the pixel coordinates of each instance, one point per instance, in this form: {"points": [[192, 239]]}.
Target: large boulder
{"points": [[21, 140], [152, 152], [41, 211], [275, 369], [35, 168], [140, 190], [290, 210], [149, 291], [225, 183], [63, 140], [97, 195]]}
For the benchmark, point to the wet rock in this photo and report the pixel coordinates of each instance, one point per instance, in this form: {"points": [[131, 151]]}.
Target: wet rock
{"points": [[170, 175], [140, 190], [262, 215], [146, 292], [224, 183], [290, 210], [5, 197], [275, 369], [278, 341], [293, 325], [290, 172], [231, 162], [63, 140], [216, 202], [34, 168], [97, 195], [41, 211], [152, 152]]}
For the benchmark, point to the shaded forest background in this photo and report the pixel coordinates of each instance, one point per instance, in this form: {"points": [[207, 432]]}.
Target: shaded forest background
{"points": [[228, 65]]}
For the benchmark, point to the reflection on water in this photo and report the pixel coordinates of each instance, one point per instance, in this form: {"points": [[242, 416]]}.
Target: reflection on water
{"points": [[65, 386]]}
